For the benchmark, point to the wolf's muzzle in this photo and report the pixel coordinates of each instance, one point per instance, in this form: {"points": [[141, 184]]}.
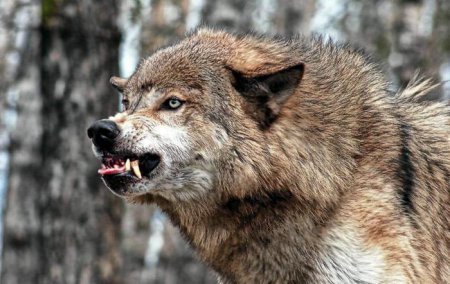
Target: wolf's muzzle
{"points": [[103, 133]]}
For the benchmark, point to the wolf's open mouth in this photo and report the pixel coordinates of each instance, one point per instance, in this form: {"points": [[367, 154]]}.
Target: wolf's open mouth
{"points": [[139, 166]]}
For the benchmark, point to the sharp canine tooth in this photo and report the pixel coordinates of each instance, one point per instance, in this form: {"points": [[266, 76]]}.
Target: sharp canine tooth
{"points": [[127, 165], [135, 167]]}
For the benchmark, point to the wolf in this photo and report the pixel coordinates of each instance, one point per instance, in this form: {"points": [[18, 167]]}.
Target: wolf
{"points": [[285, 160]]}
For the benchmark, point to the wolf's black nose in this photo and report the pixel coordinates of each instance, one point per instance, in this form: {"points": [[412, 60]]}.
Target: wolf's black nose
{"points": [[103, 132]]}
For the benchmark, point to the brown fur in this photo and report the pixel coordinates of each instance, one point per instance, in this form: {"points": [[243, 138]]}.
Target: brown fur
{"points": [[318, 173]]}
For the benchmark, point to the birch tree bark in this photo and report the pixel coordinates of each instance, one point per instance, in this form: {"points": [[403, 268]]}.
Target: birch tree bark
{"points": [[21, 231], [61, 224]]}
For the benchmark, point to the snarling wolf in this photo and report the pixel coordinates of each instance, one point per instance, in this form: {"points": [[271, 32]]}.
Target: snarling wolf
{"points": [[285, 161]]}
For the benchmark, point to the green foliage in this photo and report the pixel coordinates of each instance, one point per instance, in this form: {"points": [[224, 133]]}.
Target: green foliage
{"points": [[136, 11], [49, 8], [383, 45], [442, 22]]}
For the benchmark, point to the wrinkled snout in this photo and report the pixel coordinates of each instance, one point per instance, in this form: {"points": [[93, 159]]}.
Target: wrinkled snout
{"points": [[103, 134]]}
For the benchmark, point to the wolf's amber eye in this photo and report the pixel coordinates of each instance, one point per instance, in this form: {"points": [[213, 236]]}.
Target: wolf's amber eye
{"points": [[172, 104], [125, 103]]}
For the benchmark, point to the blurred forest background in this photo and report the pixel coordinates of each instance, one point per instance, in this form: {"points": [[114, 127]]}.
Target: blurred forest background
{"points": [[59, 222]]}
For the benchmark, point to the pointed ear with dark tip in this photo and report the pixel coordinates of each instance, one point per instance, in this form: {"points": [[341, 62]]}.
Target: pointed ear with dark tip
{"points": [[118, 83], [267, 94]]}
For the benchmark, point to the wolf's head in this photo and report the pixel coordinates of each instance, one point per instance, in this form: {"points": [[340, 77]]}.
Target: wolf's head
{"points": [[194, 114]]}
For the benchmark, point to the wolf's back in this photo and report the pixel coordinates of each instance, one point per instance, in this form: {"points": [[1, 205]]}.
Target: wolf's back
{"points": [[426, 147]]}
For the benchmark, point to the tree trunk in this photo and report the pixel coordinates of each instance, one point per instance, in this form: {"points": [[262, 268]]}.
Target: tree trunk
{"points": [[292, 17], [441, 31], [61, 224], [21, 232]]}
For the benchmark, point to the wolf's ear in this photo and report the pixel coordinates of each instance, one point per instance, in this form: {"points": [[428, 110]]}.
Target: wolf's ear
{"points": [[266, 93], [118, 83]]}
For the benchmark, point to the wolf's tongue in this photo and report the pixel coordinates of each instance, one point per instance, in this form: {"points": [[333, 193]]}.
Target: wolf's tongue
{"points": [[112, 171], [111, 168]]}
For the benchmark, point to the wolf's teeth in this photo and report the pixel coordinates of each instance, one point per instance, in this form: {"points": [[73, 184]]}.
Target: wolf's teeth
{"points": [[127, 165], [135, 167]]}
